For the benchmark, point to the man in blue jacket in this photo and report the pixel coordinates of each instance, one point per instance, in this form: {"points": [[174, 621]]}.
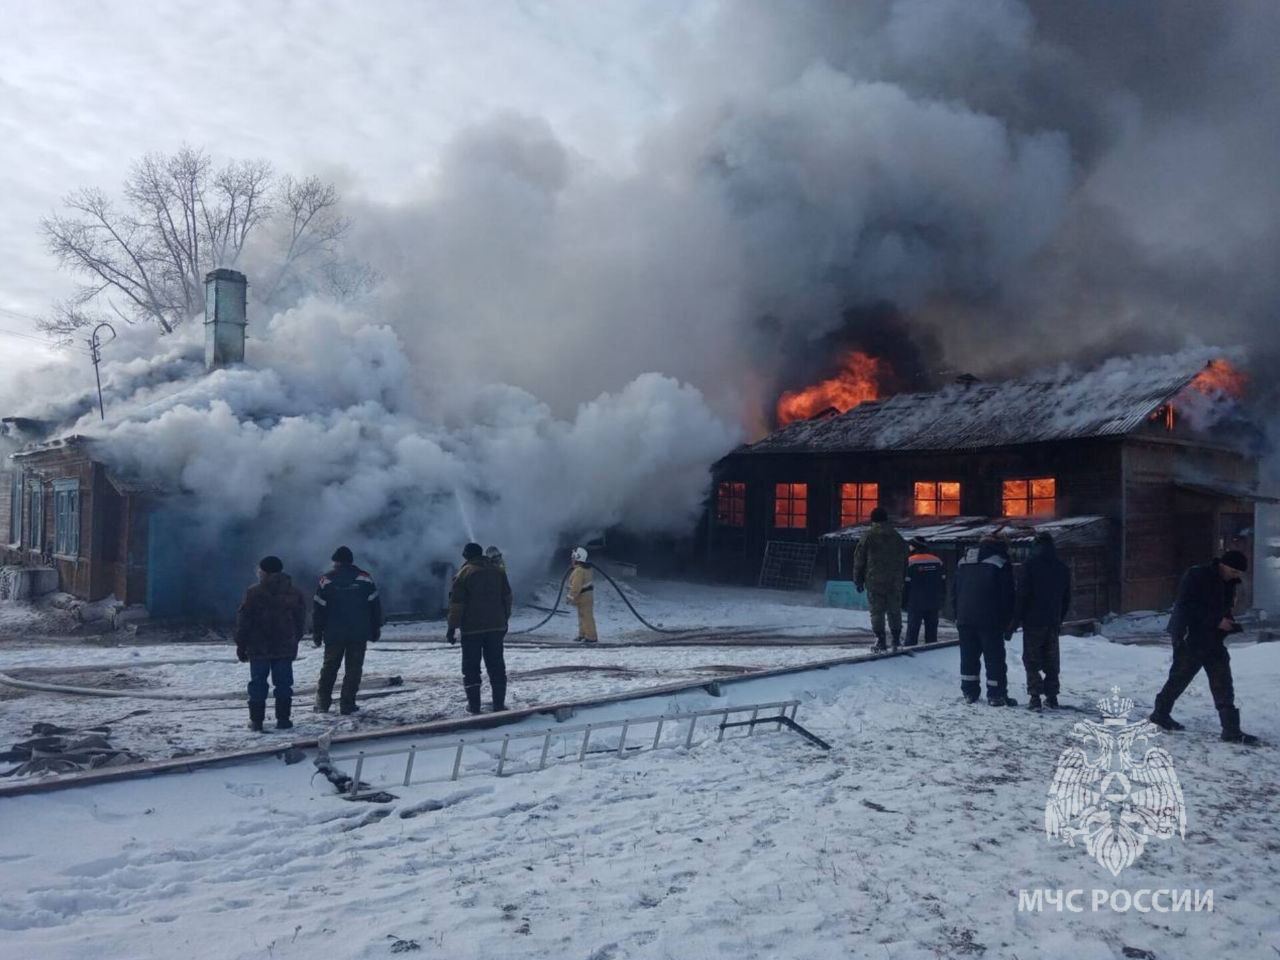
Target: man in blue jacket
{"points": [[985, 598], [346, 616]]}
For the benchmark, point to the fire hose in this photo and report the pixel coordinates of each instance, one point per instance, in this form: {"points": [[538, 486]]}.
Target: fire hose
{"points": [[630, 606]]}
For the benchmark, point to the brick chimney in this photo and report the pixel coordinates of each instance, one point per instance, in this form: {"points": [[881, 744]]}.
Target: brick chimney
{"points": [[225, 297]]}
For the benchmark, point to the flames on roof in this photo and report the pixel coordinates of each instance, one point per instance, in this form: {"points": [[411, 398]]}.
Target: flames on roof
{"points": [[1113, 400]]}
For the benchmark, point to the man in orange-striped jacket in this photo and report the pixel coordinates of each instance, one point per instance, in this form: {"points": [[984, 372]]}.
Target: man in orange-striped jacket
{"points": [[923, 593]]}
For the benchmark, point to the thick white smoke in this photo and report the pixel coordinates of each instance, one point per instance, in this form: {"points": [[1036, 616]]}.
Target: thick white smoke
{"points": [[329, 435]]}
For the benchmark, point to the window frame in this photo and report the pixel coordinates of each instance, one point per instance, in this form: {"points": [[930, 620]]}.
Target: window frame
{"points": [[66, 522], [1028, 498], [936, 498], [35, 515], [791, 498], [17, 504], [736, 498], [863, 505]]}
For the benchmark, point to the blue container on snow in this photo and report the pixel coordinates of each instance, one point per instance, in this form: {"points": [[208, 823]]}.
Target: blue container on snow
{"points": [[842, 593]]}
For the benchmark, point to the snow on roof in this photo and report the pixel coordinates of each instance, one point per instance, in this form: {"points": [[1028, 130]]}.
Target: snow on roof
{"points": [[1112, 400], [1075, 530]]}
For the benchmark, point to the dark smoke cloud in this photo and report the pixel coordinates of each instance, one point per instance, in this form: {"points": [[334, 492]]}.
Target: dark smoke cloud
{"points": [[1024, 182]]}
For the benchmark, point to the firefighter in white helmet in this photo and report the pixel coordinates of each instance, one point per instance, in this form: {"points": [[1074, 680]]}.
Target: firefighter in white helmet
{"points": [[582, 595]]}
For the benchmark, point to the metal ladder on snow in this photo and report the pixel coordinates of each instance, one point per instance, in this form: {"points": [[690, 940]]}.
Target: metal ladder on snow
{"points": [[785, 717]]}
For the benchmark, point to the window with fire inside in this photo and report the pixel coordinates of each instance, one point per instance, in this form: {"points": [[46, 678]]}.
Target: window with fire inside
{"points": [[791, 506], [1033, 497], [857, 500], [939, 498]]}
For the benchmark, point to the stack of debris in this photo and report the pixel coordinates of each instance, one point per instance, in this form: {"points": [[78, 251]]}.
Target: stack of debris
{"points": [[56, 749]]}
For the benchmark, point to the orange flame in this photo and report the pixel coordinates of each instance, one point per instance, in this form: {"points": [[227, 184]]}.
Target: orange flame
{"points": [[857, 382], [1222, 378]]}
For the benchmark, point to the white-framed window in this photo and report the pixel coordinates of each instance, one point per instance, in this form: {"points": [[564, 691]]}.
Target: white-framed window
{"points": [[15, 508], [35, 516], [66, 517]]}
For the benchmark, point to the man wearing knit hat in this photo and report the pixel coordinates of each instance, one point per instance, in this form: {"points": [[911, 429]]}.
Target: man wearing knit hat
{"points": [[269, 625], [480, 606], [346, 616], [1201, 620]]}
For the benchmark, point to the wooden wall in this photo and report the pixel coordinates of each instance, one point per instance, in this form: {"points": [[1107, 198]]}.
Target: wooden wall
{"points": [[1167, 529], [1088, 474], [105, 563]]}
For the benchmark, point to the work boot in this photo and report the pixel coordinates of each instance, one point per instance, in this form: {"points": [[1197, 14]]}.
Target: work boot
{"points": [[1231, 731], [321, 705], [1002, 701], [1034, 703], [1051, 701], [1165, 722], [473, 700], [283, 709], [257, 713], [897, 640], [579, 639], [880, 646], [970, 698], [347, 709], [499, 695]]}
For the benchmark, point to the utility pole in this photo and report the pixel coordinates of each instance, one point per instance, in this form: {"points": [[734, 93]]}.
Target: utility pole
{"points": [[95, 351]]}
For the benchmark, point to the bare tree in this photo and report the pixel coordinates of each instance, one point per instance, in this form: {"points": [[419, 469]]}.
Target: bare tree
{"points": [[146, 260]]}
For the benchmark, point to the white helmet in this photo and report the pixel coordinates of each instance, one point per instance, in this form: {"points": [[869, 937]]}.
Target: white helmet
{"points": [[579, 555]]}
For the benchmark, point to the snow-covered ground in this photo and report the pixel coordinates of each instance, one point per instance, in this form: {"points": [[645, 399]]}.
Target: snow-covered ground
{"points": [[545, 667], [911, 839]]}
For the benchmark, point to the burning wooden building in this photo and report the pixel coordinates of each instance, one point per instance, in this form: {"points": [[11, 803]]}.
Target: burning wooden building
{"points": [[1138, 473]]}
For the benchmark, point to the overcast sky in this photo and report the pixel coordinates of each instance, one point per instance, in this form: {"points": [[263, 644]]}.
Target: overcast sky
{"points": [[364, 93], [1027, 181]]}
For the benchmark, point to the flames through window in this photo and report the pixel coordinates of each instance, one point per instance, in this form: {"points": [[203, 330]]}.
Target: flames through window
{"points": [[857, 500], [937, 499], [791, 506], [1030, 498]]}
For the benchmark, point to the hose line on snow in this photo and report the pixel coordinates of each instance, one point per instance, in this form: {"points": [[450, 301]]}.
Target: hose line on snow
{"points": [[630, 606]]}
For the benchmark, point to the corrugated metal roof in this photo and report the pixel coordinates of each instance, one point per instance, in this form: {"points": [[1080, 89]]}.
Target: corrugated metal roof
{"points": [[1080, 530], [1112, 400]]}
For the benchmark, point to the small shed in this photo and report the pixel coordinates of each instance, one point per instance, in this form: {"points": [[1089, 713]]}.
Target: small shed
{"points": [[1081, 542]]}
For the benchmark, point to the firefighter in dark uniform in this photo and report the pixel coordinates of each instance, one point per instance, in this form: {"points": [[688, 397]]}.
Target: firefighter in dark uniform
{"points": [[985, 598], [480, 606], [346, 617], [923, 592], [1043, 601], [1200, 622]]}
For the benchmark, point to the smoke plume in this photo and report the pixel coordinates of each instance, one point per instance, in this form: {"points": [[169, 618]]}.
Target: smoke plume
{"points": [[561, 344]]}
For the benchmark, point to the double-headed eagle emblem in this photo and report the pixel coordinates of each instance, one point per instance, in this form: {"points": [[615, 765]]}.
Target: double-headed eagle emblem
{"points": [[1110, 798]]}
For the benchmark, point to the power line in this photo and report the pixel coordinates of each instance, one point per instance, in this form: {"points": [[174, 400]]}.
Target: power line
{"points": [[43, 341]]}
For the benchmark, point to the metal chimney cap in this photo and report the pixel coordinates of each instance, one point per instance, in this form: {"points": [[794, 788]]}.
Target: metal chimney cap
{"points": [[222, 273]]}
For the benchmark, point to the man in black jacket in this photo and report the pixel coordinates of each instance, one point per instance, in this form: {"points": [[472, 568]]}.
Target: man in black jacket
{"points": [[269, 625], [346, 616], [985, 597], [1043, 602], [480, 606], [1200, 622], [923, 593]]}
